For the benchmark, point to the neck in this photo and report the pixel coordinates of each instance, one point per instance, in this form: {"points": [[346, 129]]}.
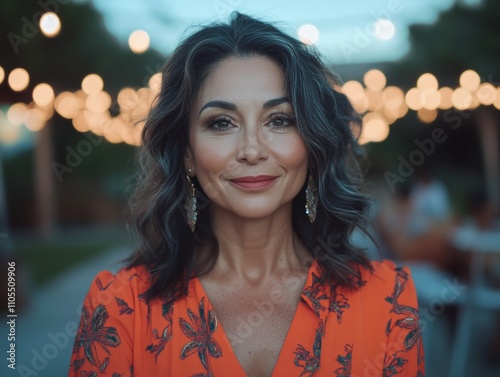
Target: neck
{"points": [[256, 250]]}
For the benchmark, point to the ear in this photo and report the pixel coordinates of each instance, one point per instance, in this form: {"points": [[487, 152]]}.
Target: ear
{"points": [[189, 160]]}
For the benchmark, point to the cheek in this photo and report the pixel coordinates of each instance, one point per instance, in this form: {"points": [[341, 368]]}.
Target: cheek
{"points": [[211, 156], [292, 151]]}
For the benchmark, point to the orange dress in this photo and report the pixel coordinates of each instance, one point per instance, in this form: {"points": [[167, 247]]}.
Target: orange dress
{"points": [[371, 331]]}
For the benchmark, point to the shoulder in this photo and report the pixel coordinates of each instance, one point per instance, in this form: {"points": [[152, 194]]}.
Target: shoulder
{"points": [[125, 285], [389, 280], [384, 271]]}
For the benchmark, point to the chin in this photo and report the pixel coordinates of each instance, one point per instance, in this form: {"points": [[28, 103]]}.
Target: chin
{"points": [[254, 212]]}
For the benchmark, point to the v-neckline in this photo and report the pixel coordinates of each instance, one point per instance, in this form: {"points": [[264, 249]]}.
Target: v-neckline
{"points": [[199, 287]]}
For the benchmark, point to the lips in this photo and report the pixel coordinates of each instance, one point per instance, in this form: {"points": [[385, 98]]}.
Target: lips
{"points": [[258, 178], [254, 183]]}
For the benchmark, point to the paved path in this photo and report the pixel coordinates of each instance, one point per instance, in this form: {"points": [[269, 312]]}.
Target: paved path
{"points": [[45, 331]]}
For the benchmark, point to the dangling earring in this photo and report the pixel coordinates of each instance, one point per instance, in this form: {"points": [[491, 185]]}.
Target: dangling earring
{"points": [[190, 204], [311, 199]]}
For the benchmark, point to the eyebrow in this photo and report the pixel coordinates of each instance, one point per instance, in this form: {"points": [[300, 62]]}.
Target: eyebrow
{"points": [[231, 106]]}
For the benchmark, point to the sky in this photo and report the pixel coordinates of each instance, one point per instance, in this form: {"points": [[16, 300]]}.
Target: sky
{"points": [[346, 27]]}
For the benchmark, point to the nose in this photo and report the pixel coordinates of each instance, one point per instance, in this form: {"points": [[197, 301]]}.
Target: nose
{"points": [[252, 146]]}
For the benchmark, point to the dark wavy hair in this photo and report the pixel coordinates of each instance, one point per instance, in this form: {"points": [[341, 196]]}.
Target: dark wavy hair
{"points": [[325, 119]]}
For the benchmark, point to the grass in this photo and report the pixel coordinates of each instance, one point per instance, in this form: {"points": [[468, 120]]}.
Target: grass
{"points": [[46, 260]]}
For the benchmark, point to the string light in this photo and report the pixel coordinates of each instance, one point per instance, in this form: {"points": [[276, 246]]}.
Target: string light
{"points": [[50, 24], [470, 80], [427, 81], [375, 128], [461, 98], [445, 95], [18, 79], [308, 34], [426, 115], [43, 95], [413, 99], [486, 94], [138, 41], [92, 84], [380, 106], [374, 79], [34, 119], [15, 114]]}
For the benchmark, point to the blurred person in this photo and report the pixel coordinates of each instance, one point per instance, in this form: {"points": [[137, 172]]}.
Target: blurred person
{"points": [[407, 232], [483, 217], [260, 279], [429, 202]]}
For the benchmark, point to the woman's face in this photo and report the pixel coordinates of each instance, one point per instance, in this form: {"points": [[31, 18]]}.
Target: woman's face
{"points": [[244, 146]]}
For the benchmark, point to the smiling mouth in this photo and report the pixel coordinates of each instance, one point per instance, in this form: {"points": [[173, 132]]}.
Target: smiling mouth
{"points": [[254, 183]]}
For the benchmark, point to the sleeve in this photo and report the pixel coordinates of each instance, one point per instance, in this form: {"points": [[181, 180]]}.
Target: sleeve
{"points": [[103, 343], [404, 353]]}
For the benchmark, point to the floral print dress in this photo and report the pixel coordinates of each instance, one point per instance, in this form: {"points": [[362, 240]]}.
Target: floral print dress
{"points": [[371, 331]]}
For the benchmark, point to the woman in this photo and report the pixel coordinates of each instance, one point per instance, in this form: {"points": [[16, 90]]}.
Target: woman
{"points": [[244, 213]]}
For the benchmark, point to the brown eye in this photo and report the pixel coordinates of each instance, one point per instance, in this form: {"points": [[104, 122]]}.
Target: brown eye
{"points": [[219, 123], [281, 122]]}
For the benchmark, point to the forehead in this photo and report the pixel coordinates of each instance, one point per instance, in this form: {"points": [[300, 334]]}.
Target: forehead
{"points": [[243, 79]]}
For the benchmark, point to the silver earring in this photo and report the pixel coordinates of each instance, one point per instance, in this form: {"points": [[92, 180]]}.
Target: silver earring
{"points": [[311, 199], [190, 204]]}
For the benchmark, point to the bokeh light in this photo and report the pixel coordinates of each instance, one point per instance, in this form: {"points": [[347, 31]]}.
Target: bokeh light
{"points": [[50, 24], [496, 103], [138, 41], [43, 95], [461, 98], [2, 75], [393, 97], [413, 99], [375, 128], [154, 83], [98, 122], [308, 34], [34, 119], [356, 94], [80, 122], [427, 81], [127, 98], [475, 103], [67, 104], [92, 84], [112, 131], [15, 114], [430, 99], [98, 102], [18, 79], [384, 29], [374, 79], [47, 111], [470, 80], [486, 94], [426, 115], [445, 94], [375, 102], [9, 133]]}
